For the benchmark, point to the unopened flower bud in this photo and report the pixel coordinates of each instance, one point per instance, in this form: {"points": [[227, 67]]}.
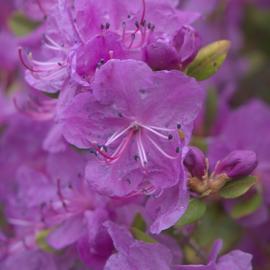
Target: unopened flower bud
{"points": [[237, 164], [187, 43], [195, 162]]}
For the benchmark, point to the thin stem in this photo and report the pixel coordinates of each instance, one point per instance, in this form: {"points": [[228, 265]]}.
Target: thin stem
{"points": [[187, 240]]}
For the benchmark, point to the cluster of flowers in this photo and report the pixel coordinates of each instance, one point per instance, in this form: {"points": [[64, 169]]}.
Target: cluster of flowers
{"points": [[97, 115]]}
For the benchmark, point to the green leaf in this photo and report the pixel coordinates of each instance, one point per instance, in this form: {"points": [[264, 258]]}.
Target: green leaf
{"points": [[41, 241], [20, 25], [195, 211], [199, 142], [208, 60], [246, 207], [139, 223], [140, 235], [215, 224], [236, 188]]}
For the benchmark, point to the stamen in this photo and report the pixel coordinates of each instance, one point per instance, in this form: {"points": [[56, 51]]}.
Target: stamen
{"points": [[19, 222], [50, 40], [124, 31], [33, 111], [20, 51], [42, 8], [162, 129], [121, 148], [26, 246], [42, 216], [74, 26], [155, 132], [160, 150], [137, 24], [133, 35], [141, 150], [60, 195], [143, 11], [117, 135]]}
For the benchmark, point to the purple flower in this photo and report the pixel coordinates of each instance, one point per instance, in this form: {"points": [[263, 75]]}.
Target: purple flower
{"points": [[144, 30], [133, 123]]}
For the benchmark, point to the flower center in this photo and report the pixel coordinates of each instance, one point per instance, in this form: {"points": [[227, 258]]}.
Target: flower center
{"points": [[140, 133]]}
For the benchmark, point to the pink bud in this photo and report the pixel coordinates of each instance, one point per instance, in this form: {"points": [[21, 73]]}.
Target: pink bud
{"points": [[237, 164], [195, 162]]}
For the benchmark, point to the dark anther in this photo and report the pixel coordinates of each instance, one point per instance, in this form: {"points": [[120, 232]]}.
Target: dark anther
{"points": [[102, 27], [129, 16], [149, 25], [137, 24], [100, 63], [170, 136], [143, 23], [136, 157], [107, 26], [104, 147], [177, 149], [120, 114], [93, 151], [179, 126], [142, 91]]}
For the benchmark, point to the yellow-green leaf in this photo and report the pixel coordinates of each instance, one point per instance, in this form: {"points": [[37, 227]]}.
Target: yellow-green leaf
{"points": [[208, 60], [20, 25], [41, 241], [139, 223], [140, 235], [195, 211], [246, 207], [236, 188]]}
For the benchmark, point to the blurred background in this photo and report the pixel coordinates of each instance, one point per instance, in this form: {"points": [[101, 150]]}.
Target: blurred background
{"points": [[244, 76]]}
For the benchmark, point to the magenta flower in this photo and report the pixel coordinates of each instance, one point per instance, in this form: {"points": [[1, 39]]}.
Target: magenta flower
{"points": [[133, 125], [132, 129], [156, 33]]}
